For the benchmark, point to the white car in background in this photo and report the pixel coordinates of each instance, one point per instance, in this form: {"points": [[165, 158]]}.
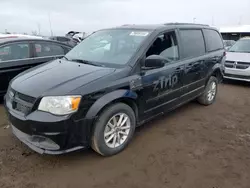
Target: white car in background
{"points": [[18, 36], [237, 65]]}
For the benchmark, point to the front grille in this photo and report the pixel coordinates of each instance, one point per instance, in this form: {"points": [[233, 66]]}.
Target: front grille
{"points": [[25, 98], [237, 76], [24, 109], [20, 102], [237, 64]]}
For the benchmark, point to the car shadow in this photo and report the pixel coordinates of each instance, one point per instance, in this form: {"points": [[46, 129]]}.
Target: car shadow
{"points": [[1, 100], [91, 155], [158, 120], [236, 83]]}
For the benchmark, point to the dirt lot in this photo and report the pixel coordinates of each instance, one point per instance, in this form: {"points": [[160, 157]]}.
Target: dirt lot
{"points": [[195, 146]]}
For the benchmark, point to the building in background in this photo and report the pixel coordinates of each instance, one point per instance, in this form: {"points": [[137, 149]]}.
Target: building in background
{"points": [[235, 32], [18, 36]]}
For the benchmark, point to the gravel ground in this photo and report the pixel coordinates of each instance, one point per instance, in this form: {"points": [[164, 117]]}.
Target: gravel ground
{"points": [[194, 146]]}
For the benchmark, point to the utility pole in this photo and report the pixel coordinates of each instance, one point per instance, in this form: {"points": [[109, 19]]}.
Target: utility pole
{"points": [[240, 20], [51, 32], [194, 19], [39, 28]]}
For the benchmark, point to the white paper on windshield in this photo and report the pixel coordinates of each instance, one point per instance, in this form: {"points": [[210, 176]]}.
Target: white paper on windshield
{"points": [[139, 33]]}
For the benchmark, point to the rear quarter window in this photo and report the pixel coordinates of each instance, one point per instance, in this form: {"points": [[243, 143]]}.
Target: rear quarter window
{"points": [[193, 44], [213, 40]]}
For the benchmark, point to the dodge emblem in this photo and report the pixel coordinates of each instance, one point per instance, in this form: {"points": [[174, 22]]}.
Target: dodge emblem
{"points": [[235, 64]]}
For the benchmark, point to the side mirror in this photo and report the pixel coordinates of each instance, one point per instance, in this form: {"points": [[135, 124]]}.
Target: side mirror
{"points": [[154, 62]]}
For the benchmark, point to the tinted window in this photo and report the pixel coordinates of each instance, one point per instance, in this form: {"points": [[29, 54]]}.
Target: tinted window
{"points": [[213, 40], [48, 49], [192, 42], [165, 45], [14, 52]]}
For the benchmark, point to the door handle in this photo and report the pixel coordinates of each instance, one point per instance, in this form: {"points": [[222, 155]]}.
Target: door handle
{"points": [[189, 65], [193, 64], [179, 69], [196, 64]]}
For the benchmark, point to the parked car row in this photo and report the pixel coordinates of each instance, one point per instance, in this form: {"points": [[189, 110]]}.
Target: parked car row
{"points": [[18, 54], [113, 81]]}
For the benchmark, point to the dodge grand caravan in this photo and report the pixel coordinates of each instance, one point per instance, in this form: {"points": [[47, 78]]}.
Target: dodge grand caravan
{"points": [[112, 82]]}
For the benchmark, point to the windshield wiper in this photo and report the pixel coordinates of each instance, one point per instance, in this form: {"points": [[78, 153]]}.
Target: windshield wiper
{"points": [[85, 62], [65, 58]]}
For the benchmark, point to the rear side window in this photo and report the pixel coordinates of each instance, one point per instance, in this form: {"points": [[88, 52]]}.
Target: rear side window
{"points": [[213, 40], [14, 51], [45, 49], [193, 44]]}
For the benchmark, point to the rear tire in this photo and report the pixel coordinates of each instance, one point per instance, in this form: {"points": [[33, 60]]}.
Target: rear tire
{"points": [[210, 93], [110, 136]]}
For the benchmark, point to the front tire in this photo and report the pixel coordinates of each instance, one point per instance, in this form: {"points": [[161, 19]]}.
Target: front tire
{"points": [[113, 130], [210, 93]]}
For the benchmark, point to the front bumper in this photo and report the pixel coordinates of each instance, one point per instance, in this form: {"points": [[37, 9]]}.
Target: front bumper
{"points": [[37, 143], [237, 74], [49, 134]]}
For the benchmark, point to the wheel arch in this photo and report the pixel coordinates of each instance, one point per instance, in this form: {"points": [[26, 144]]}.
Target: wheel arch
{"points": [[125, 96], [216, 72]]}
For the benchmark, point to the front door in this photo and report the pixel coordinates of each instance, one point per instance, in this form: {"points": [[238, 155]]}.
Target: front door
{"points": [[162, 87]]}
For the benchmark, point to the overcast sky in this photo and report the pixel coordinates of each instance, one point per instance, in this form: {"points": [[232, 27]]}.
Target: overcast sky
{"points": [[90, 15]]}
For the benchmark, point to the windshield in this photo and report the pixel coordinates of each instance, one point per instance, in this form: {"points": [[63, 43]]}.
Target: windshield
{"points": [[114, 47], [242, 46]]}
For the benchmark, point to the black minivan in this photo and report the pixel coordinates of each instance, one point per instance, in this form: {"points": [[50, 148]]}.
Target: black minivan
{"points": [[113, 81]]}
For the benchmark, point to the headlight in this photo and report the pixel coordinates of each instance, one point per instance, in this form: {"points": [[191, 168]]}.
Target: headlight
{"points": [[60, 105]]}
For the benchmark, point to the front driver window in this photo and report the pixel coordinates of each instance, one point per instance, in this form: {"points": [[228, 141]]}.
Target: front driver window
{"points": [[165, 45], [14, 52]]}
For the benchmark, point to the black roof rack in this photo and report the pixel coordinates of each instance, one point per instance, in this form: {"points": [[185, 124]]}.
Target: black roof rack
{"points": [[178, 23]]}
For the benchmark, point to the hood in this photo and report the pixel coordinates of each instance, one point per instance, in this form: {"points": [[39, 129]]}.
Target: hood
{"points": [[235, 56], [59, 77]]}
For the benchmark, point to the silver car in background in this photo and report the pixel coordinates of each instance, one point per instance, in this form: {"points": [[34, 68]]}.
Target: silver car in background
{"points": [[237, 65]]}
